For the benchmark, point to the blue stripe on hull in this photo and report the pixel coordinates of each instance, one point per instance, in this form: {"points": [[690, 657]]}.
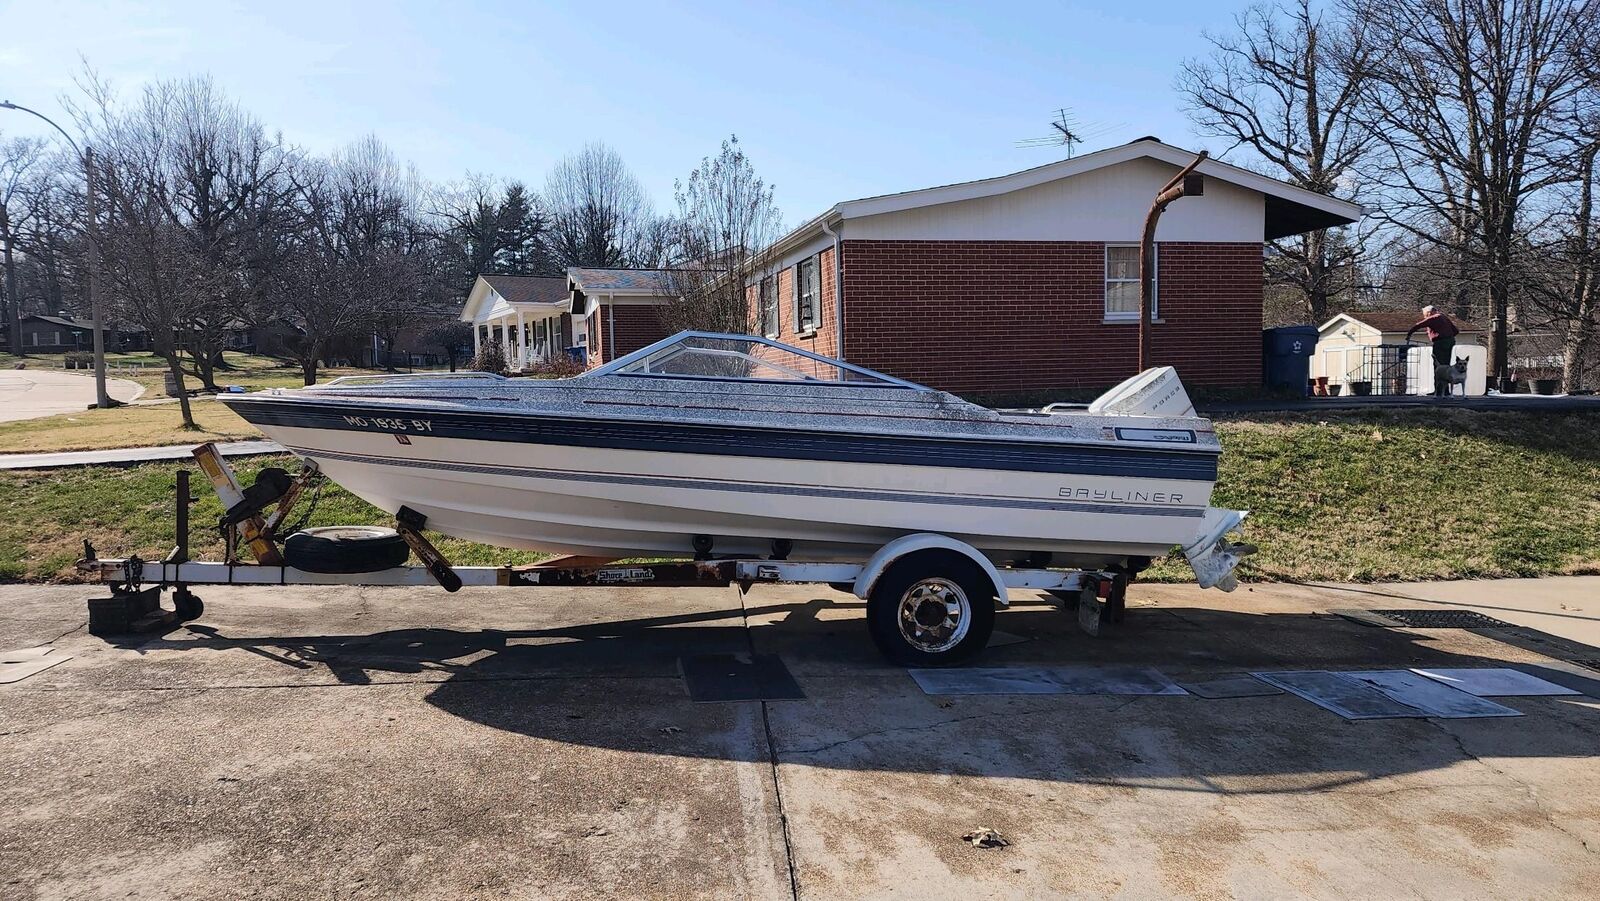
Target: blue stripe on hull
{"points": [[904, 497], [744, 441]]}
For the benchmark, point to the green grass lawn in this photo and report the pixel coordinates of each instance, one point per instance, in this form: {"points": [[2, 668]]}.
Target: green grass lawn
{"points": [[1412, 494], [1359, 496]]}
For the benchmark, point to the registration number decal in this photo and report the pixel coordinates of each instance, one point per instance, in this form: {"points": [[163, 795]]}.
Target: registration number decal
{"points": [[388, 424]]}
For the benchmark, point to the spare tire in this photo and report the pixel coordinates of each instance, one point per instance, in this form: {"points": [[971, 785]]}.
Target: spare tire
{"points": [[345, 549]]}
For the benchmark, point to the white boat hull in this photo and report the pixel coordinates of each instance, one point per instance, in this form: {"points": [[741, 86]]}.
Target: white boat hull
{"points": [[631, 503]]}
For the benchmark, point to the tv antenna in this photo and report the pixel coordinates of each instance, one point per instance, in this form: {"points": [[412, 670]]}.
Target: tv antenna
{"points": [[1067, 131]]}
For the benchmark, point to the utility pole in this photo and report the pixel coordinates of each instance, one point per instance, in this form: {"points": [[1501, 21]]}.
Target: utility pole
{"points": [[1187, 183], [96, 307]]}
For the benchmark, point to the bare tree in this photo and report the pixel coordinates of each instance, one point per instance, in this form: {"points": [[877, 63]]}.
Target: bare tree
{"points": [[20, 160], [453, 338], [1465, 102], [51, 237], [1560, 273], [726, 218], [1285, 83], [188, 156], [486, 228], [599, 214], [361, 260]]}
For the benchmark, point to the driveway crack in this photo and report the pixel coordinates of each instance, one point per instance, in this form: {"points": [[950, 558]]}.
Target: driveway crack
{"points": [[1527, 789], [772, 762]]}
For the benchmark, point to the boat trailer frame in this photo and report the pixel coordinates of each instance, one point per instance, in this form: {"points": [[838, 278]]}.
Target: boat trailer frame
{"points": [[135, 584]]}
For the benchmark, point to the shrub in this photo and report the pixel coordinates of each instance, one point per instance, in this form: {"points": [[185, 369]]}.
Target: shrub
{"points": [[562, 367], [491, 358]]}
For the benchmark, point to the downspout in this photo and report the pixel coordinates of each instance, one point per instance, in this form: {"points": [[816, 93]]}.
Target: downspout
{"points": [[611, 326], [838, 284]]}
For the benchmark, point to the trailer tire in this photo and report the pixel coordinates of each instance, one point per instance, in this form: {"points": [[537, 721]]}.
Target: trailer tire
{"points": [[187, 605], [904, 612], [345, 549]]}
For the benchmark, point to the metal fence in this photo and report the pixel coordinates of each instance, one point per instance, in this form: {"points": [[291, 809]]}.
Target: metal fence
{"points": [[1387, 367]]}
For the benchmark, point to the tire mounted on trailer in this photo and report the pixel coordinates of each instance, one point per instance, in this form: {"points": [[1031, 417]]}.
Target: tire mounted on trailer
{"points": [[345, 549], [931, 608]]}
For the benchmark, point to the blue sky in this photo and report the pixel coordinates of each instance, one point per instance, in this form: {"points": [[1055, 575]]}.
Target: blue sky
{"points": [[832, 101]]}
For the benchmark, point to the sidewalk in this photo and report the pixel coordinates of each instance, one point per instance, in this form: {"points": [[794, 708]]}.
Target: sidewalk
{"points": [[126, 455]]}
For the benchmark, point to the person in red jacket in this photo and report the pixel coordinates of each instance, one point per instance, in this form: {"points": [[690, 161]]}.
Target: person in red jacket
{"points": [[1441, 331]]}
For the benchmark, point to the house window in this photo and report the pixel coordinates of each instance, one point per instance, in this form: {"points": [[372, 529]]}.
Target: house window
{"points": [[805, 295], [769, 307], [1122, 283]]}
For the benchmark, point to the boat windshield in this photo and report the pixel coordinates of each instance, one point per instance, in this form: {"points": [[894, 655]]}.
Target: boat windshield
{"points": [[721, 356]]}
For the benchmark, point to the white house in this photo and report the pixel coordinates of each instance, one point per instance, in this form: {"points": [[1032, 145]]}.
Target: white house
{"points": [[529, 315]]}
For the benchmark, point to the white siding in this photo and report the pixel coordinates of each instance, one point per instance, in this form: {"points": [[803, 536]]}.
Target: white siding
{"points": [[1106, 204]]}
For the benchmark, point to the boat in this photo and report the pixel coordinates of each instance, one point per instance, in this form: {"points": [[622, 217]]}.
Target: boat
{"points": [[722, 445]]}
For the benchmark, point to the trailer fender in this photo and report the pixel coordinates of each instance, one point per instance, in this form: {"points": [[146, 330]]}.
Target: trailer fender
{"points": [[923, 541]]}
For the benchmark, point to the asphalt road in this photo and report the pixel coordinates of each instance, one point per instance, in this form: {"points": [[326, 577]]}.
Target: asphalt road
{"points": [[32, 393], [403, 743]]}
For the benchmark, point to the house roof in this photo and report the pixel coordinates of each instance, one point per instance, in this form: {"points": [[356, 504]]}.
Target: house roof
{"points": [[85, 325], [619, 281], [498, 294], [528, 288], [1392, 321], [1290, 210]]}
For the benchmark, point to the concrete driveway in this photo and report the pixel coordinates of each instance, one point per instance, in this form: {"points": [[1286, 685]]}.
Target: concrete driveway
{"points": [[32, 393], [399, 743]]}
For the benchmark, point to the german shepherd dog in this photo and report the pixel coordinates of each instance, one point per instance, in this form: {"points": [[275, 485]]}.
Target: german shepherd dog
{"points": [[1447, 376]]}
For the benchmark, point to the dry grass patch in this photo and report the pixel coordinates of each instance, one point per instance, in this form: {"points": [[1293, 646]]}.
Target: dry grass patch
{"points": [[45, 515], [134, 426]]}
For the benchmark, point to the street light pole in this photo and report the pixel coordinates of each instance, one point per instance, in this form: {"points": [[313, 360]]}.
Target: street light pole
{"points": [[96, 308]]}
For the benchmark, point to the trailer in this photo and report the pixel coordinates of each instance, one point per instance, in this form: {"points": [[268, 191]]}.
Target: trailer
{"points": [[931, 599]]}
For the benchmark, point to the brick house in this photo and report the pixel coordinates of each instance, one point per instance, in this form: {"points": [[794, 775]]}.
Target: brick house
{"points": [[619, 308], [1029, 281]]}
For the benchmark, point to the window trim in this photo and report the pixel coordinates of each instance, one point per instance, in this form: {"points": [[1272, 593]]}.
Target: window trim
{"points": [[773, 327], [801, 326], [1105, 286]]}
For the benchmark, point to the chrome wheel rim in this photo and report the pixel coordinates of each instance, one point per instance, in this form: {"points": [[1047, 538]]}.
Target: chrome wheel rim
{"points": [[934, 615]]}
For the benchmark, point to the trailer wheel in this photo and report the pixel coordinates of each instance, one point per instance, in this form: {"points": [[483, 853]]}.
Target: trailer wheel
{"points": [[345, 549], [933, 608], [187, 605]]}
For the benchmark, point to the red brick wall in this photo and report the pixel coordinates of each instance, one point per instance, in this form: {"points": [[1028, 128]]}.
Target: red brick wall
{"points": [[826, 339], [635, 327], [984, 316]]}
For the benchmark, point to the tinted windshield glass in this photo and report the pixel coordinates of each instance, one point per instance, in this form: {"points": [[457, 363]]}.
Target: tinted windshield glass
{"points": [[732, 356]]}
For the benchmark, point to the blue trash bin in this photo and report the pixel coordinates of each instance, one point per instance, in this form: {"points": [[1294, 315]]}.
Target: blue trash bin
{"points": [[1286, 351]]}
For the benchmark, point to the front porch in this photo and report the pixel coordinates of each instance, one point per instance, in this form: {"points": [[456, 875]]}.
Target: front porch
{"points": [[530, 317]]}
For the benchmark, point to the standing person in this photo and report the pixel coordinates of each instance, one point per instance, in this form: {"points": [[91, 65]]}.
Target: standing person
{"points": [[1441, 331]]}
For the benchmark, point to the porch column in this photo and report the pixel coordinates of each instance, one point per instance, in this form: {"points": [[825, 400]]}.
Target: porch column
{"points": [[477, 336], [522, 342], [505, 339]]}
